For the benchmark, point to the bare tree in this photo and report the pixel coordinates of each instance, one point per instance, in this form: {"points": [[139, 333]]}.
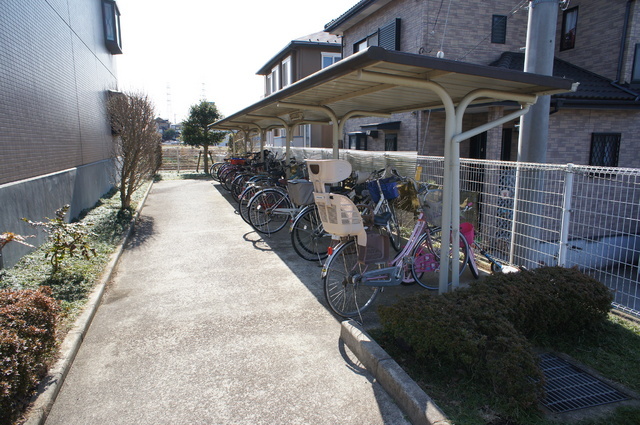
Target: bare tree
{"points": [[137, 146]]}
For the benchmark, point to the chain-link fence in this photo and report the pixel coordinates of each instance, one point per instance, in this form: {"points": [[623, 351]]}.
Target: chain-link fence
{"points": [[539, 214]]}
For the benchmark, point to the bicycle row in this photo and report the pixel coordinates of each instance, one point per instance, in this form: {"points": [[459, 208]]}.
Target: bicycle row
{"points": [[350, 221]]}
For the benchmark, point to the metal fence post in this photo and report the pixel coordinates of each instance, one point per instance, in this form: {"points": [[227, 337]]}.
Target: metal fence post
{"points": [[566, 216]]}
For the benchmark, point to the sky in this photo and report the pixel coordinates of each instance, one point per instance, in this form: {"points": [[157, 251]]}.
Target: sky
{"points": [[178, 52]]}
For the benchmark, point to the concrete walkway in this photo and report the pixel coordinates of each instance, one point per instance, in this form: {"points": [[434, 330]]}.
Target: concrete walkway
{"points": [[206, 322]]}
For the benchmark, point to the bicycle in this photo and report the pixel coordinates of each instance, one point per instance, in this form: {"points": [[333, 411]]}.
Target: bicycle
{"points": [[271, 208], [382, 191], [358, 268], [496, 266]]}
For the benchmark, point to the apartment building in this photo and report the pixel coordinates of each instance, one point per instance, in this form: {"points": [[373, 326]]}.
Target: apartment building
{"points": [[298, 59], [597, 44], [58, 64]]}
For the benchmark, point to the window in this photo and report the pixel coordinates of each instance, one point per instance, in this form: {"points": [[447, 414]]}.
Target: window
{"points": [[635, 72], [358, 141], [287, 72], [275, 79], [387, 37], [569, 25], [329, 59], [391, 142], [371, 40], [499, 29], [605, 148], [267, 84], [111, 19]]}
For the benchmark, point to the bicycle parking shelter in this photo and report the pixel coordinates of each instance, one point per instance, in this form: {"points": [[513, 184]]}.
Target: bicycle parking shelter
{"points": [[377, 83]]}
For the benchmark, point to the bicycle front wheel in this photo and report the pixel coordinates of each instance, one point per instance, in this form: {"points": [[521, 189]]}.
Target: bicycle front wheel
{"points": [[343, 290], [308, 237], [269, 211], [244, 199], [426, 259]]}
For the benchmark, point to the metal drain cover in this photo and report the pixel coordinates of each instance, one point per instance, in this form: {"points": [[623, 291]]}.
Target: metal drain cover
{"points": [[569, 388]]}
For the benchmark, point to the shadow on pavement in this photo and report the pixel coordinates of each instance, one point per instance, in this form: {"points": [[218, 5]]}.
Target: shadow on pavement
{"points": [[309, 272]]}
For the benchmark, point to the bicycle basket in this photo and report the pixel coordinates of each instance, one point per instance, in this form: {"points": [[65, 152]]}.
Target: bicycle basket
{"points": [[389, 189], [300, 191]]}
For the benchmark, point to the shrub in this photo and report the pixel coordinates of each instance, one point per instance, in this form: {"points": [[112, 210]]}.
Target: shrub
{"points": [[487, 330], [27, 341]]}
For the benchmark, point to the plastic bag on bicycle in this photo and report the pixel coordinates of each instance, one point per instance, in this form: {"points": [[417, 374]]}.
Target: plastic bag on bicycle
{"points": [[389, 189]]}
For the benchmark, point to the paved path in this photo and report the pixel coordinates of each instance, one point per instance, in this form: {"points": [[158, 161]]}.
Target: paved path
{"points": [[206, 322]]}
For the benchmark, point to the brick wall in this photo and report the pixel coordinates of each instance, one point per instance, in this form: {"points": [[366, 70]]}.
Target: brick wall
{"points": [[464, 33], [570, 135], [598, 35]]}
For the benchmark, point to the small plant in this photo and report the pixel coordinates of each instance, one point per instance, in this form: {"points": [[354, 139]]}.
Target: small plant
{"points": [[67, 239]]}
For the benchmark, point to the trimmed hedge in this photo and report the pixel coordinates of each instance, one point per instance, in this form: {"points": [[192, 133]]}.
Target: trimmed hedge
{"points": [[27, 341], [488, 329]]}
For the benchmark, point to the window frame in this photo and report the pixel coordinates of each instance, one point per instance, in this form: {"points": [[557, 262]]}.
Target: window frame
{"points": [[358, 141], [606, 139], [391, 140], [275, 78], [499, 29], [287, 72], [568, 40], [332, 56], [111, 27]]}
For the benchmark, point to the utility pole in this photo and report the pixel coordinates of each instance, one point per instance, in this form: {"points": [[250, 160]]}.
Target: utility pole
{"points": [[534, 132], [538, 59]]}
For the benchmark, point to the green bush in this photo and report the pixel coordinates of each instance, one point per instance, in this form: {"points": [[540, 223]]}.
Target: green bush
{"points": [[486, 331], [27, 340]]}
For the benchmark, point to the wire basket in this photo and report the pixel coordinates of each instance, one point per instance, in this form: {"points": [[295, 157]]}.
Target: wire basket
{"points": [[300, 191], [389, 189]]}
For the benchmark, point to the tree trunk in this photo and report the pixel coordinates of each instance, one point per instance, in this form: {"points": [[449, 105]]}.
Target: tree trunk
{"points": [[206, 158]]}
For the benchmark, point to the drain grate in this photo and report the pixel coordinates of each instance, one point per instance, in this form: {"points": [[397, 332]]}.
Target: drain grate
{"points": [[568, 388]]}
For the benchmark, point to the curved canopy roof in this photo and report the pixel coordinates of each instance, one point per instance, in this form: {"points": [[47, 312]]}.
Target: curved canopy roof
{"points": [[358, 86]]}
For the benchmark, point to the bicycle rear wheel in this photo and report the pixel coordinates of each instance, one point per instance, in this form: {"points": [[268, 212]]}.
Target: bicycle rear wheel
{"points": [[346, 296], [308, 237], [266, 211], [426, 259]]}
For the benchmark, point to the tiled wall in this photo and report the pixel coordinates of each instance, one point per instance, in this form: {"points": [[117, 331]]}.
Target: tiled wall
{"points": [[54, 71], [55, 140]]}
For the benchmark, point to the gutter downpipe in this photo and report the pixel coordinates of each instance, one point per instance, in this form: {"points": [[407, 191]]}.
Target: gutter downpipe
{"points": [[623, 40], [452, 167]]}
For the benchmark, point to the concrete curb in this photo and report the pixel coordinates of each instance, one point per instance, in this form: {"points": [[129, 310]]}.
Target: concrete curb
{"points": [[416, 404], [50, 386]]}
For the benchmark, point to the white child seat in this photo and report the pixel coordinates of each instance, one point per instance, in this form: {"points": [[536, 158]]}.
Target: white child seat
{"points": [[338, 213]]}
